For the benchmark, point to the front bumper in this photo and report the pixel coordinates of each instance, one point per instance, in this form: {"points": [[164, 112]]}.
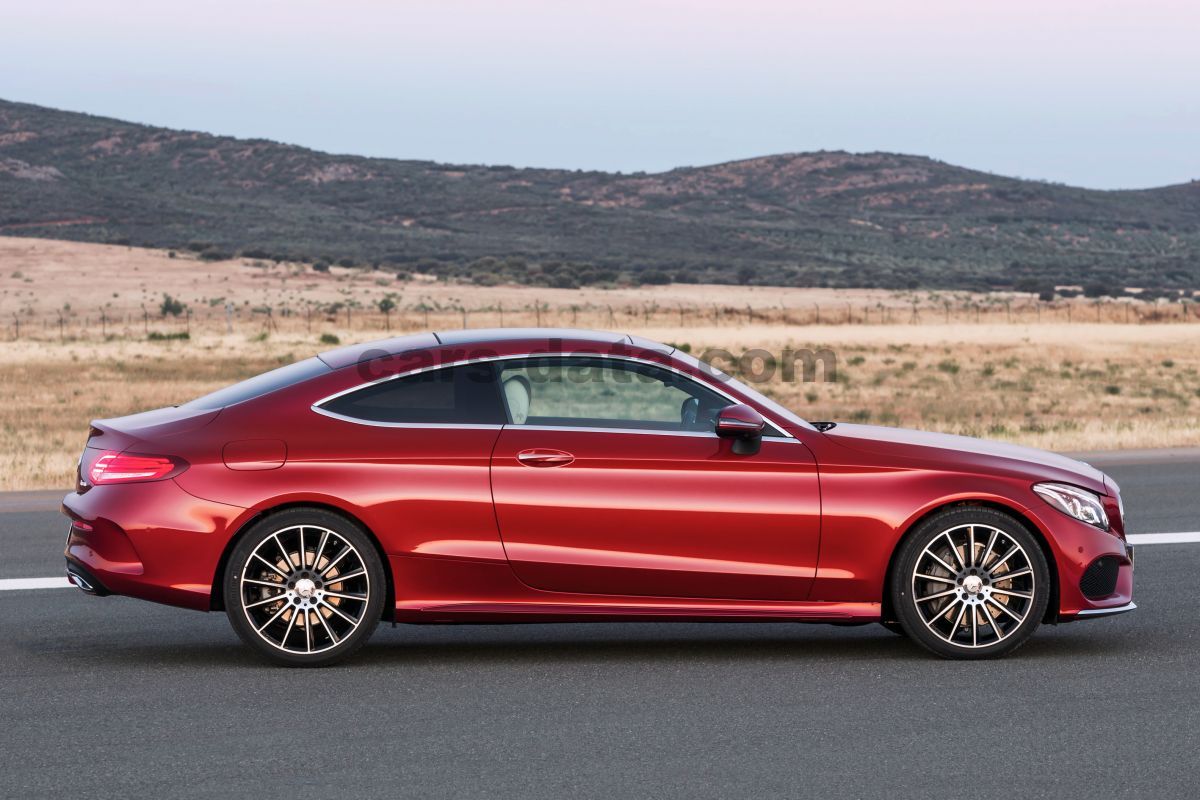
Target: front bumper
{"points": [[1095, 613], [1095, 570]]}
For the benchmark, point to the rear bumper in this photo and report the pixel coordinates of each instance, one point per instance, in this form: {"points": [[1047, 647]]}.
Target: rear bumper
{"points": [[152, 541]]}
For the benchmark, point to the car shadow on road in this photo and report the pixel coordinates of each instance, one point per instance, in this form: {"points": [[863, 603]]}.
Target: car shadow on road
{"points": [[581, 643]]}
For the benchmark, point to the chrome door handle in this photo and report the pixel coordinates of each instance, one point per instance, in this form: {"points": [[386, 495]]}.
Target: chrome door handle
{"points": [[544, 458]]}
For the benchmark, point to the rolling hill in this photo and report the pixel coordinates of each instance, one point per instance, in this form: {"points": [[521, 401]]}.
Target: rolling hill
{"points": [[821, 219]]}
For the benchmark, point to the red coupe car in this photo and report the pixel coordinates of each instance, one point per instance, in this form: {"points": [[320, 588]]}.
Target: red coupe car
{"points": [[545, 476]]}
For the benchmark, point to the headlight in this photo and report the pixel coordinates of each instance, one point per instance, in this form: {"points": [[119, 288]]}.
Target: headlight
{"points": [[1081, 504]]}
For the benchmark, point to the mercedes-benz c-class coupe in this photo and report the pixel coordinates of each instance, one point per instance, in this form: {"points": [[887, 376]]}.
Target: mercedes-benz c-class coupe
{"points": [[547, 475]]}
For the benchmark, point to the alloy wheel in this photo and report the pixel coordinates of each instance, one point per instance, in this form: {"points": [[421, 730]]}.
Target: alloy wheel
{"points": [[974, 586], [305, 589]]}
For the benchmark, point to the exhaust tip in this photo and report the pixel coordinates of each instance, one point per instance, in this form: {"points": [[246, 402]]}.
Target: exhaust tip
{"points": [[80, 578], [80, 581]]}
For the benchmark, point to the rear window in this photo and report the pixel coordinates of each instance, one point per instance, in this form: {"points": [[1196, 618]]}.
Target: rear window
{"points": [[260, 385], [464, 395]]}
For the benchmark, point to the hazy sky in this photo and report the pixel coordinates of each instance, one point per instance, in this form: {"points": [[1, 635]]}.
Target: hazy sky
{"points": [[1088, 92]]}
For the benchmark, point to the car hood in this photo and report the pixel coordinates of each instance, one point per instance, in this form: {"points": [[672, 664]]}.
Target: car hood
{"points": [[964, 452]]}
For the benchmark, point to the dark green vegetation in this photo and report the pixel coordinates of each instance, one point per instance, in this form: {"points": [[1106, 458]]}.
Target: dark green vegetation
{"points": [[820, 219]]}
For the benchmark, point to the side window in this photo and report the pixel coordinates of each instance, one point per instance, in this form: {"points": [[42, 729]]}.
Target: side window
{"points": [[604, 393], [260, 385], [464, 395]]}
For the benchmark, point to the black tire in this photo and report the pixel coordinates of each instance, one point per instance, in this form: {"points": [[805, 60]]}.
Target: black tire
{"points": [[332, 598], [894, 627], [970, 582]]}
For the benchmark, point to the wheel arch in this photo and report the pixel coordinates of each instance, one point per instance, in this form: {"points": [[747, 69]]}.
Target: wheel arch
{"points": [[888, 613], [216, 598]]}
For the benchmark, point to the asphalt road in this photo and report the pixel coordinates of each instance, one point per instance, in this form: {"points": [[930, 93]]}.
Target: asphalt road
{"points": [[115, 697]]}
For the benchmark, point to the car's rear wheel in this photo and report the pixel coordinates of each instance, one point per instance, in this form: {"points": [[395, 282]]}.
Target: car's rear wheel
{"points": [[970, 582], [304, 587]]}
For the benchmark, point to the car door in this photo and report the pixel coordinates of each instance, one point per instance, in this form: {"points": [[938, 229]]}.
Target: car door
{"points": [[413, 452], [609, 479]]}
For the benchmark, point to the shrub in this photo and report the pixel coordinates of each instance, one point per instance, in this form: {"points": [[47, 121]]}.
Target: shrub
{"points": [[155, 336], [321, 266], [329, 338], [170, 306]]}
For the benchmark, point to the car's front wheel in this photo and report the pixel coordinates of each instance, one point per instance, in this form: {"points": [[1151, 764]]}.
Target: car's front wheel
{"points": [[970, 582], [304, 587]]}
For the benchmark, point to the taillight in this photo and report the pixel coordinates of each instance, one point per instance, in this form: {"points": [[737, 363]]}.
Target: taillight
{"points": [[114, 467]]}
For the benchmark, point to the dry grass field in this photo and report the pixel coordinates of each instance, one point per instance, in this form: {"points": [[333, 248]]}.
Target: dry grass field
{"points": [[1064, 376]]}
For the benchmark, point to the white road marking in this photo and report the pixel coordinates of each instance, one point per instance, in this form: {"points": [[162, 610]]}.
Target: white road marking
{"points": [[18, 584], [1164, 538]]}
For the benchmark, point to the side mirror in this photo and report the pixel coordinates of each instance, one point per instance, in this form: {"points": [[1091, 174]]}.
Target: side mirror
{"points": [[744, 425]]}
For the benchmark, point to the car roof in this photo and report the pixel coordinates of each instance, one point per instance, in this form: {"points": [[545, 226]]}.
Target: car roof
{"points": [[533, 337]]}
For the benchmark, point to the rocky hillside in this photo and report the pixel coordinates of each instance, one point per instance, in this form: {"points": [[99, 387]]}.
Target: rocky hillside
{"points": [[827, 218]]}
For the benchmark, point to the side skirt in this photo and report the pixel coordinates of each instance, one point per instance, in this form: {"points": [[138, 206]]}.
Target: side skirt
{"points": [[643, 612]]}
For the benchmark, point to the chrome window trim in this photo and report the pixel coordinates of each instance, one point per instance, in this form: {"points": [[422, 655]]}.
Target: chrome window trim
{"points": [[379, 424], [779, 429], [583, 429]]}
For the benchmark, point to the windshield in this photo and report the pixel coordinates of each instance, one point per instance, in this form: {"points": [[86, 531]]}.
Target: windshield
{"points": [[260, 385]]}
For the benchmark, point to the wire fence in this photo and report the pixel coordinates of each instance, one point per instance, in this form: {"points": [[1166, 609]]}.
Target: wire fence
{"points": [[146, 323]]}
